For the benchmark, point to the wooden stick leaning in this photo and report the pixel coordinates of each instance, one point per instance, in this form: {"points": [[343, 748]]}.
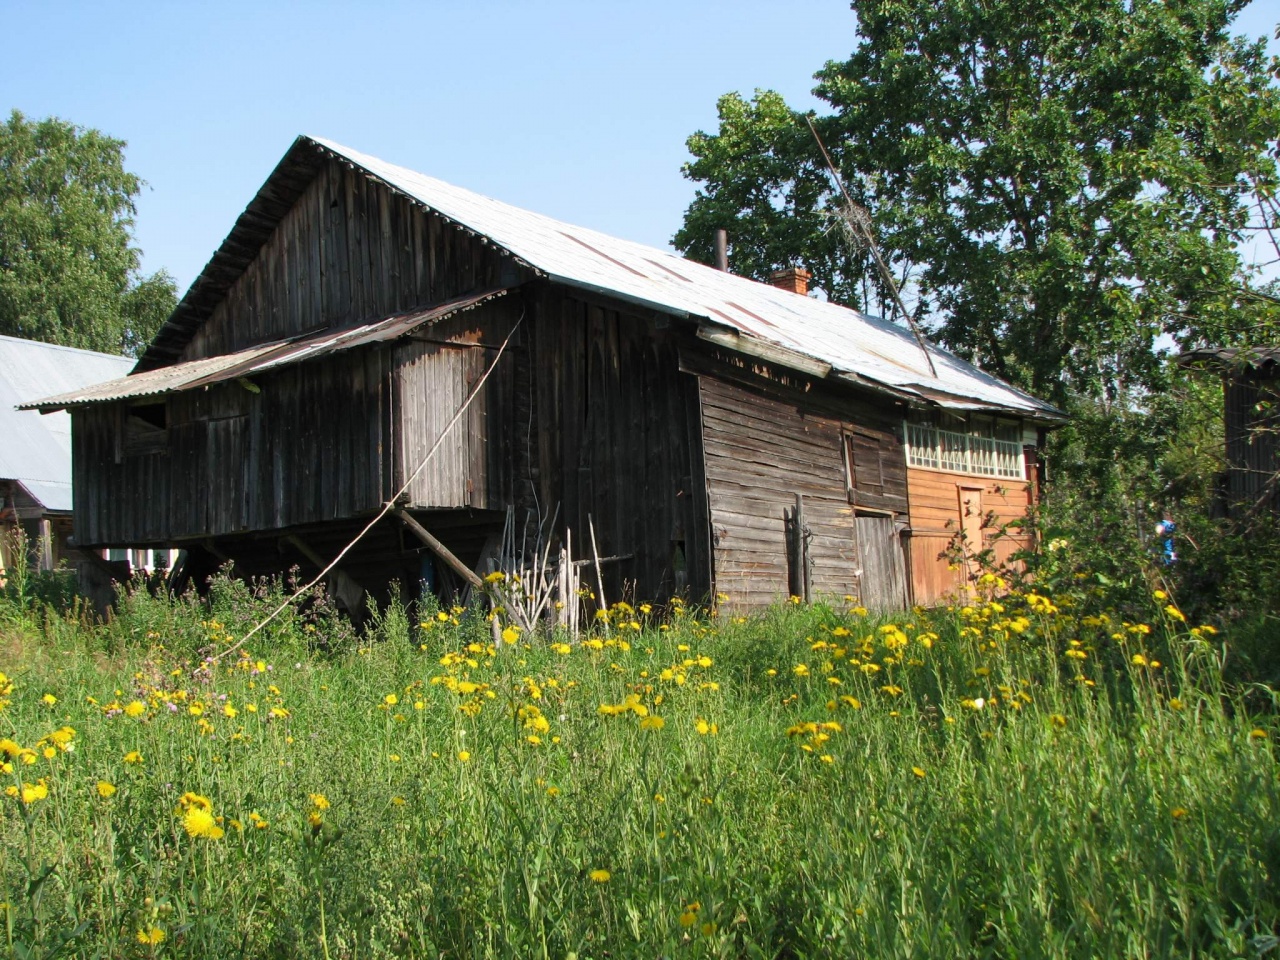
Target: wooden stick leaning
{"points": [[389, 505]]}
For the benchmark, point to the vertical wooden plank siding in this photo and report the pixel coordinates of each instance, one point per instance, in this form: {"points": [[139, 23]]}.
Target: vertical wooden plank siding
{"points": [[344, 253], [1252, 417], [306, 448], [936, 522]]}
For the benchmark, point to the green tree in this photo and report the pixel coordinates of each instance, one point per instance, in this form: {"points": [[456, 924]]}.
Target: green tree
{"points": [[69, 272], [1056, 185]]}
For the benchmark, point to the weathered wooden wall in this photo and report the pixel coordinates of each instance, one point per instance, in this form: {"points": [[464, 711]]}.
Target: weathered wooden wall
{"points": [[766, 442], [605, 428], [938, 515], [1252, 415], [313, 444], [435, 371], [348, 251]]}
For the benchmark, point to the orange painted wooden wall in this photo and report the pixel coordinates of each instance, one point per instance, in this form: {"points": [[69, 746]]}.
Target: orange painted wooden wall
{"points": [[943, 505]]}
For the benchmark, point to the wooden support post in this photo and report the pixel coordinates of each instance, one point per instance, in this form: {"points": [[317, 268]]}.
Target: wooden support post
{"points": [[801, 578], [802, 532], [438, 548], [595, 552], [44, 545]]}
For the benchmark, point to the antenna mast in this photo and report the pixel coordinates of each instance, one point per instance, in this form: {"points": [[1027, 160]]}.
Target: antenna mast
{"points": [[858, 221]]}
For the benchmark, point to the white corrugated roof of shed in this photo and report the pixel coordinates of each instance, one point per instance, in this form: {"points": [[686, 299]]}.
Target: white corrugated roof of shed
{"points": [[35, 449], [853, 343]]}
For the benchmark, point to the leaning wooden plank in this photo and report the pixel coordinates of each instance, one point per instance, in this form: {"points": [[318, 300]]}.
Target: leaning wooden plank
{"points": [[438, 548]]}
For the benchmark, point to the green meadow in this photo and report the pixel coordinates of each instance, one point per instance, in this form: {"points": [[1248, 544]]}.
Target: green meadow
{"points": [[1027, 776]]}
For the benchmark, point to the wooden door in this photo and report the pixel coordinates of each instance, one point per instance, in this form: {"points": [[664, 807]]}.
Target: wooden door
{"points": [[884, 568]]}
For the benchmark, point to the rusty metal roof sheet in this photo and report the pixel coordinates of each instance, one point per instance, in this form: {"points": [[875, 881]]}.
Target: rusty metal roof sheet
{"points": [[255, 360], [36, 450]]}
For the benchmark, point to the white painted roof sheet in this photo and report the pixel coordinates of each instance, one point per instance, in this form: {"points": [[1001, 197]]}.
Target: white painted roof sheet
{"points": [[35, 449], [853, 343]]}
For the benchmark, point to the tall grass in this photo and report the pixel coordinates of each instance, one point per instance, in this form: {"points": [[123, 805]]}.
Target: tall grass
{"points": [[1020, 778]]}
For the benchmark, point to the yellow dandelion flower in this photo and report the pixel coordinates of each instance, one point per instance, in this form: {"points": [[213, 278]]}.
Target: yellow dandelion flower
{"points": [[688, 918], [151, 937], [390, 699], [510, 635], [199, 822], [652, 723], [106, 790], [133, 756], [599, 876], [1257, 734], [918, 771], [32, 792], [319, 801], [1178, 813], [464, 756], [1058, 720], [49, 700], [135, 708]]}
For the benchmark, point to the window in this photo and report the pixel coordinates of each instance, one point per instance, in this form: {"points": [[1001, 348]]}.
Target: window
{"points": [[863, 464], [976, 444], [146, 429]]}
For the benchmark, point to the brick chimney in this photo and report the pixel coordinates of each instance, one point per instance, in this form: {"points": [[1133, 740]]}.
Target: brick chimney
{"points": [[795, 279]]}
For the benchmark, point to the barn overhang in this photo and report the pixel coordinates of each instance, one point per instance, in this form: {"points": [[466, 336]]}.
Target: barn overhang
{"points": [[193, 374]]}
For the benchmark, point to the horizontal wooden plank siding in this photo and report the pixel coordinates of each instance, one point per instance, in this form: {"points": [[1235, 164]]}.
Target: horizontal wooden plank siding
{"points": [[760, 451], [938, 568]]}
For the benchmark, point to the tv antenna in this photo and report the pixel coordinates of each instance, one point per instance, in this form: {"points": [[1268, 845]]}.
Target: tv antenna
{"points": [[858, 223]]}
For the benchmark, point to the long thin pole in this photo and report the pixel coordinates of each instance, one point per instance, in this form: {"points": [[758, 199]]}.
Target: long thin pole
{"points": [[864, 229]]}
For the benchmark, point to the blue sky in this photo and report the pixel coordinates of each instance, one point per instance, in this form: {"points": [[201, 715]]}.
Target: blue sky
{"points": [[579, 110]]}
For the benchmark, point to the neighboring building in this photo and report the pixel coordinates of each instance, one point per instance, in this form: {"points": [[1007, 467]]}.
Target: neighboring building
{"points": [[676, 409], [1251, 414], [35, 450]]}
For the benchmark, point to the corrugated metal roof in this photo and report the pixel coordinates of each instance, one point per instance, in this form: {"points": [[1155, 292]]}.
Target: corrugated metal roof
{"points": [[1260, 359], [255, 360], [36, 450], [801, 331], [862, 347]]}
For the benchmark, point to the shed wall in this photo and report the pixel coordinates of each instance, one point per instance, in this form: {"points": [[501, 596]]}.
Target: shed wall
{"points": [[765, 445], [606, 429], [1252, 414], [307, 447], [940, 501]]}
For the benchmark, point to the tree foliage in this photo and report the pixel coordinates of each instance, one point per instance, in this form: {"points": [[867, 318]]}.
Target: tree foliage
{"points": [[1057, 185], [69, 272]]}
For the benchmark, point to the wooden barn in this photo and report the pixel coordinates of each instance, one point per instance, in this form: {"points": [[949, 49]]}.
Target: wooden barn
{"points": [[1251, 414], [719, 435]]}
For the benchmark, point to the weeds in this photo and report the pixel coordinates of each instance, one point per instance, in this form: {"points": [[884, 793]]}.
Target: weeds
{"points": [[1031, 775]]}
